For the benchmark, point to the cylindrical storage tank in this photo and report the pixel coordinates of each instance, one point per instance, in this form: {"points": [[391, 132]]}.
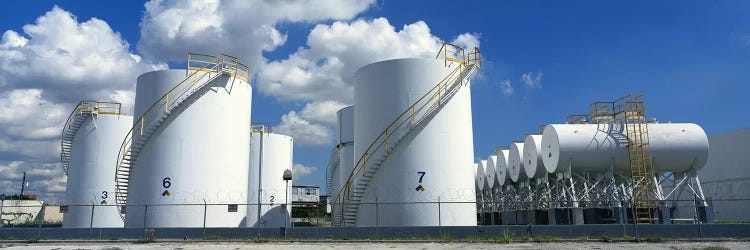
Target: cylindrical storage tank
{"points": [[532, 156], [91, 172], [345, 120], [427, 156], [346, 156], [515, 168], [275, 193], [199, 156], [503, 177], [675, 147], [491, 172]]}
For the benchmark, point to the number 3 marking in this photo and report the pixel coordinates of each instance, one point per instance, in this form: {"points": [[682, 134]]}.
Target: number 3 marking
{"points": [[105, 195]]}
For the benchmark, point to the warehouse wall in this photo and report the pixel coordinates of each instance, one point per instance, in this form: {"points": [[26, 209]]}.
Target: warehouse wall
{"points": [[727, 175]]}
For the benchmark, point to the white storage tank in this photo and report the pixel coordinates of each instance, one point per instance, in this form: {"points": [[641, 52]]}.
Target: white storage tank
{"points": [[199, 155], [90, 175], [675, 147], [491, 172], [503, 177], [428, 156], [515, 167], [345, 120], [275, 194], [532, 157], [482, 176]]}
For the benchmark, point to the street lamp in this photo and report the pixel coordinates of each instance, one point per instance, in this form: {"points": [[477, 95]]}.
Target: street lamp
{"points": [[287, 176]]}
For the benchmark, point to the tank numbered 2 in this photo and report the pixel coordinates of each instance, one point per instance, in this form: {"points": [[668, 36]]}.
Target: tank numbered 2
{"points": [[166, 183], [421, 174]]}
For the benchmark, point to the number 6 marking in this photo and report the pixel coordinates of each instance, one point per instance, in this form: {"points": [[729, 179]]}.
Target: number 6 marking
{"points": [[421, 175], [166, 182]]}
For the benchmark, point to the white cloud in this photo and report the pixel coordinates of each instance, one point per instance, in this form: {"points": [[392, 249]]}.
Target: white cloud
{"points": [[532, 81], [45, 69], [300, 170], [303, 131], [45, 179], [506, 88], [322, 71], [242, 28]]}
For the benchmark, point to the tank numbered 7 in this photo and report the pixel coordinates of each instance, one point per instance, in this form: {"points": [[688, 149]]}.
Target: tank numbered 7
{"points": [[421, 174], [166, 183]]}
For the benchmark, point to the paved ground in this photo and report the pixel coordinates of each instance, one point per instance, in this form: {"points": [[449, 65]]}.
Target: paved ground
{"points": [[309, 246]]}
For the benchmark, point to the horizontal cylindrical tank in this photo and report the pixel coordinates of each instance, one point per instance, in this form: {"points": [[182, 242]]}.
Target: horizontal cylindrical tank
{"points": [[481, 179], [275, 193], [90, 176], [199, 155], [532, 156], [676, 147], [491, 172], [515, 167], [503, 177], [427, 156]]}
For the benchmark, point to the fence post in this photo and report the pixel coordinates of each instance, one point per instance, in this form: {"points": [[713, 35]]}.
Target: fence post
{"points": [[377, 218], [205, 208], [41, 219], [145, 218], [91, 220], [440, 223]]}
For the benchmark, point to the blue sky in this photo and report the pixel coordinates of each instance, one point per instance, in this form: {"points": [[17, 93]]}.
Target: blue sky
{"points": [[691, 59]]}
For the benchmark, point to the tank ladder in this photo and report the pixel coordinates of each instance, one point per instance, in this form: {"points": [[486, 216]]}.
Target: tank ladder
{"points": [[83, 110], [201, 71], [367, 165], [631, 112], [333, 166]]}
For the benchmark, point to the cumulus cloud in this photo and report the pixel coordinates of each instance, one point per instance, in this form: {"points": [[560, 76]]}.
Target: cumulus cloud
{"points": [[239, 27], [303, 131], [45, 69], [322, 71], [531, 80], [506, 88], [300, 170], [45, 179]]}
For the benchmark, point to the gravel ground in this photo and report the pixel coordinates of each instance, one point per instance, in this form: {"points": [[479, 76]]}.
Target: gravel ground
{"points": [[379, 245]]}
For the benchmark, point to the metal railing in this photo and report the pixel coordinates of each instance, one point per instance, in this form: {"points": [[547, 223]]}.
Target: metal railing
{"points": [[199, 67], [75, 119], [421, 108]]}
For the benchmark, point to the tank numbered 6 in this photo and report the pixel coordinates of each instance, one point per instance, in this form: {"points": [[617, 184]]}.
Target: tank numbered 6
{"points": [[166, 183]]}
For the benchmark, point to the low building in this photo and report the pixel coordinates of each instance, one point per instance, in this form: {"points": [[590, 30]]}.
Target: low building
{"points": [[726, 176], [305, 194]]}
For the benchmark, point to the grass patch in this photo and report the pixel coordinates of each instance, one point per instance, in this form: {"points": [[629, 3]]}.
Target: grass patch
{"points": [[715, 248], [144, 241], [215, 237]]}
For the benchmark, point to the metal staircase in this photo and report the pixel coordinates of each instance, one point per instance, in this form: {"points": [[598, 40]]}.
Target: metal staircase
{"points": [[201, 71], [631, 112], [351, 195], [80, 113]]}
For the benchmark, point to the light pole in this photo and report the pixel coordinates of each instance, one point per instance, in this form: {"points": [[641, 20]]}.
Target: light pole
{"points": [[287, 177]]}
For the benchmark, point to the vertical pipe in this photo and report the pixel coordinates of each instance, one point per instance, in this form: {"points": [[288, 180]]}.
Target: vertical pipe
{"points": [[91, 220], [205, 209], [260, 175]]}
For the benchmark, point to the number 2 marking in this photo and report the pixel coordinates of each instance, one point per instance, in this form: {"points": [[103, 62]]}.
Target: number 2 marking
{"points": [[421, 175], [273, 198]]}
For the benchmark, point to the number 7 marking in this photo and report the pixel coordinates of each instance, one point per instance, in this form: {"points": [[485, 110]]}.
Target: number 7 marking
{"points": [[421, 175]]}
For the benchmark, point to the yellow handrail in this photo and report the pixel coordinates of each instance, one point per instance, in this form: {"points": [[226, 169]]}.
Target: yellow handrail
{"points": [[84, 107], [450, 53]]}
